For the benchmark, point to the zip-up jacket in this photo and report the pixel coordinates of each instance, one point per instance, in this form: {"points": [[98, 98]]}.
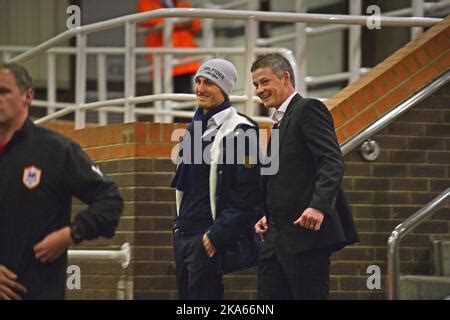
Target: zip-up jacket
{"points": [[234, 188], [40, 171]]}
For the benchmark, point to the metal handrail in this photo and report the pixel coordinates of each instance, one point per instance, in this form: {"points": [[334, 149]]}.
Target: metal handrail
{"points": [[129, 22], [223, 14], [428, 7], [395, 113], [400, 232], [145, 99], [123, 255]]}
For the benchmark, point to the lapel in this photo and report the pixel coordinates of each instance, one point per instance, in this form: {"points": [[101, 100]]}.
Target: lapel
{"points": [[287, 118]]}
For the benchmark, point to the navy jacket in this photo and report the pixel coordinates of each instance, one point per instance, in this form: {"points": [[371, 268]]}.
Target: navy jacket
{"points": [[40, 171]]}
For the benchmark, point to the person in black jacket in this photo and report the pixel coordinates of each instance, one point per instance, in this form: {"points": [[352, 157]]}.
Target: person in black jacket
{"points": [[217, 185], [306, 214], [40, 171]]}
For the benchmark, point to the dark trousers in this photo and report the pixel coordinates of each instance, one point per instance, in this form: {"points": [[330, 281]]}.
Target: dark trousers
{"points": [[197, 275], [301, 276]]}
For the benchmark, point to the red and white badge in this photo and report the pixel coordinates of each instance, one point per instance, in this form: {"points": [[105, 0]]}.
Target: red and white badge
{"points": [[31, 176]]}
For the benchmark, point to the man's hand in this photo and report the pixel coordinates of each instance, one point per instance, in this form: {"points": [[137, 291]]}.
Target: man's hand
{"points": [[310, 219], [261, 228], [53, 245], [8, 283], [209, 247]]}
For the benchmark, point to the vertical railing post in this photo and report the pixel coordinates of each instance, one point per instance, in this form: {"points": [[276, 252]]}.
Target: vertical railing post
{"points": [[130, 70], [417, 11], [157, 86], [51, 82], [393, 267], [208, 34], [168, 75], [354, 50], [6, 56], [102, 86], [80, 88], [250, 43], [300, 50]]}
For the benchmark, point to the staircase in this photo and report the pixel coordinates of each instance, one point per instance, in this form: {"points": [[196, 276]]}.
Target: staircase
{"points": [[430, 287]]}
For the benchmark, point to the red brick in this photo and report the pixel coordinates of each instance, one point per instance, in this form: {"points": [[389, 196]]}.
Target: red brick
{"points": [[337, 117], [444, 61], [360, 122], [391, 100], [347, 109], [167, 129], [400, 72], [154, 134], [422, 56], [140, 132], [411, 63], [159, 150], [341, 136], [437, 46], [421, 78], [380, 86]]}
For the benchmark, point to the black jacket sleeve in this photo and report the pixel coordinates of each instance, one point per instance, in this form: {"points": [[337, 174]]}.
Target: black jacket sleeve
{"points": [[239, 196], [318, 130], [85, 181]]}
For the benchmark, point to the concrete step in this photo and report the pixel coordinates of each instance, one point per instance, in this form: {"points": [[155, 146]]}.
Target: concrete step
{"points": [[417, 287]]}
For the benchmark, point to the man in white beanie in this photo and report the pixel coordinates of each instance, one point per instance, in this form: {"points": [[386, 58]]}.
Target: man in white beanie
{"points": [[217, 188]]}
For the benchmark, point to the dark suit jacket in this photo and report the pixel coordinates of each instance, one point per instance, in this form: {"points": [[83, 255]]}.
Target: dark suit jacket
{"points": [[310, 175]]}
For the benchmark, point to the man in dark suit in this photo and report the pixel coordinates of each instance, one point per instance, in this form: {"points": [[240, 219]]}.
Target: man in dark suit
{"points": [[306, 215]]}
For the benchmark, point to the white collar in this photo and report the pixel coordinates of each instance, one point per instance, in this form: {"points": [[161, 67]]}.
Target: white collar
{"points": [[277, 116], [216, 121]]}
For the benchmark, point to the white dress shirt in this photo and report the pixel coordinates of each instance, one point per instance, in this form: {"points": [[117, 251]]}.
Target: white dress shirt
{"points": [[278, 115]]}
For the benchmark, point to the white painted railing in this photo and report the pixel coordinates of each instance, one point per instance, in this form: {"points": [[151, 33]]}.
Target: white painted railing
{"points": [[251, 18]]}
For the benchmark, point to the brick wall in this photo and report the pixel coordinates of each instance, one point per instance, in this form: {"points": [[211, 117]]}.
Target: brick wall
{"points": [[392, 81], [414, 167]]}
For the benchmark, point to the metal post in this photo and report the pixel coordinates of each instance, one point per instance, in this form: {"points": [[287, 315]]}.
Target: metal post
{"points": [[51, 83], [354, 50], [393, 266], [168, 87], [250, 43], [6, 56], [300, 49], [157, 86], [417, 11], [80, 89], [208, 34], [102, 87], [130, 70], [123, 255]]}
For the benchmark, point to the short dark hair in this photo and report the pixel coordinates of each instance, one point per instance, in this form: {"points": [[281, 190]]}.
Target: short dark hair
{"points": [[275, 62], [23, 78]]}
